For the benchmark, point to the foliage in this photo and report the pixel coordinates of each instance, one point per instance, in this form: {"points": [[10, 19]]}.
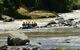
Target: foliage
{"points": [[76, 4], [63, 49], [9, 7], [1, 48]]}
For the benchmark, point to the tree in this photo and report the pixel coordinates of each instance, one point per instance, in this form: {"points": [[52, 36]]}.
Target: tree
{"points": [[1, 7], [76, 4], [9, 7], [61, 5]]}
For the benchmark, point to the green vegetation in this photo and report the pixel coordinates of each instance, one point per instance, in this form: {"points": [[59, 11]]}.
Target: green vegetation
{"points": [[76, 4], [1, 48], [10, 7], [63, 49], [41, 14], [57, 49]]}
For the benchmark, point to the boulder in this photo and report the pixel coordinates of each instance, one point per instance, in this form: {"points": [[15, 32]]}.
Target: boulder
{"points": [[17, 41], [17, 38], [7, 18]]}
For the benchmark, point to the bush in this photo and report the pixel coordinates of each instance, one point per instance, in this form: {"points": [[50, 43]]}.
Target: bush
{"points": [[75, 7], [63, 49], [37, 17], [19, 16], [1, 48]]}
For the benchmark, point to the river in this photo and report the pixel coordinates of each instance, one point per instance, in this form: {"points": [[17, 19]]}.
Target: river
{"points": [[41, 22], [47, 43], [55, 42]]}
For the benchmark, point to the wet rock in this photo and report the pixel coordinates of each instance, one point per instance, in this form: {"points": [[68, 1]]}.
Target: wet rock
{"points": [[17, 41], [7, 18]]}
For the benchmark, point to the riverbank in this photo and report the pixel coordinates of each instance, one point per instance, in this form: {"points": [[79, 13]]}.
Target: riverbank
{"points": [[43, 34], [51, 34]]}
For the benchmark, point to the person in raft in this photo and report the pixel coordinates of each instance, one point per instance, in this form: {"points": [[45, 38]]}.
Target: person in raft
{"points": [[29, 25]]}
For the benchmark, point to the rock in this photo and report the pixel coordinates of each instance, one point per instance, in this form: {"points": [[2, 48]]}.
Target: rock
{"points": [[7, 18], [17, 38], [17, 41]]}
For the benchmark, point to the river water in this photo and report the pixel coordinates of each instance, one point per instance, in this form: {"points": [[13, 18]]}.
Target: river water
{"points": [[41, 22], [56, 42]]}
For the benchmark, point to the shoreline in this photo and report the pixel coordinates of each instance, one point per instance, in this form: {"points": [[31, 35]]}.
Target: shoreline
{"points": [[45, 34], [51, 34]]}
